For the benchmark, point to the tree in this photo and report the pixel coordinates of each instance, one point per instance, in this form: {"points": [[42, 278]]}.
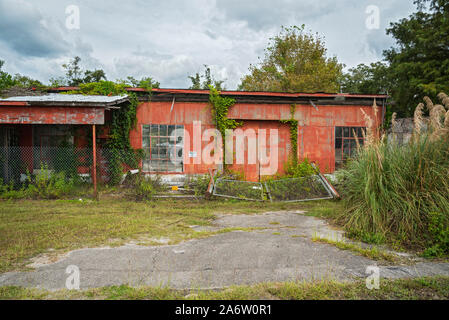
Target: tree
{"points": [[208, 80], [6, 80], [73, 72], [94, 76], [295, 61], [196, 81], [419, 62], [74, 75], [368, 79], [144, 82]]}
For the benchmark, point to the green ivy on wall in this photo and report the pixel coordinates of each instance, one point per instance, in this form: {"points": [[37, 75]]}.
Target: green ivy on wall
{"points": [[293, 133], [220, 108]]}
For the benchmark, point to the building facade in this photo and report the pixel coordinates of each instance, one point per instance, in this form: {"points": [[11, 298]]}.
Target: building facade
{"points": [[329, 127]]}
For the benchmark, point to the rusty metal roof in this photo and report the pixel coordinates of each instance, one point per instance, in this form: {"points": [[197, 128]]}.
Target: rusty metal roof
{"points": [[254, 97], [242, 93], [263, 93], [65, 100]]}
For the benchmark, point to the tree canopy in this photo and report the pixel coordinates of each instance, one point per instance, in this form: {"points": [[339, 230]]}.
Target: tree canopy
{"points": [[74, 74], [295, 61], [7, 80], [144, 82], [205, 80], [368, 79], [419, 62]]}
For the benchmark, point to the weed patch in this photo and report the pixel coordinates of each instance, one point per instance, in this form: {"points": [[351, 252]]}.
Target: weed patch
{"points": [[429, 288], [372, 253]]}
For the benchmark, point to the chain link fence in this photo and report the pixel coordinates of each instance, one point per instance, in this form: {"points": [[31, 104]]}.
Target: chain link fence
{"points": [[17, 164], [22, 165], [297, 189], [236, 189], [283, 190]]}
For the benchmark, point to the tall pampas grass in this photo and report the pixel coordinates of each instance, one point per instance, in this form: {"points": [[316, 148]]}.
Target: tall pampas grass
{"points": [[418, 120], [369, 134], [393, 125], [444, 99], [446, 120], [429, 103], [394, 191]]}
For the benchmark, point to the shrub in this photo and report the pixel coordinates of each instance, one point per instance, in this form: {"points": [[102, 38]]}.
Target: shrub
{"points": [[8, 191], [198, 184], [44, 185], [146, 187], [47, 185], [294, 169], [438, 228], [400, 192]]}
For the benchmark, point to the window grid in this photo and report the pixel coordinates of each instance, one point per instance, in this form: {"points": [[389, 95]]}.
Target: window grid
{"points": [[346, 143], [160, 148]]}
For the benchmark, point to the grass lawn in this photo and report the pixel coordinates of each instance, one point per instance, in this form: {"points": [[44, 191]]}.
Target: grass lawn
{"points": [[31, 227], [408, 289]]}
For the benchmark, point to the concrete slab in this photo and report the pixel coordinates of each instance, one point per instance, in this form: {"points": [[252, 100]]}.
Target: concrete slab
{"points": [[282, 251]]}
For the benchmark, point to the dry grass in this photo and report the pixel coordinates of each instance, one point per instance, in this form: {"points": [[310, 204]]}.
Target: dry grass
{"points": [[435, 288], [444, 99], [418, 120], [29, 228], [399, 192], [373, 252]]}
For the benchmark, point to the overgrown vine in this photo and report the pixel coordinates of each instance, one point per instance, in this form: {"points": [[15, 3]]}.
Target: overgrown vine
{"points": [[220, 108], [293, 123], [123, 121]]}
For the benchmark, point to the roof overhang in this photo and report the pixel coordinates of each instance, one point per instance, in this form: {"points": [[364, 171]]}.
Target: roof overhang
{"points": [[57, 109]]}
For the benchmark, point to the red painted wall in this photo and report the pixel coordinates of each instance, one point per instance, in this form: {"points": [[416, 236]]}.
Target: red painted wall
{"points": [[315, 132], [50, 115], [182, 114]]}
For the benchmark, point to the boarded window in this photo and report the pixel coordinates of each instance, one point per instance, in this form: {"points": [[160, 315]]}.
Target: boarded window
{"points": [[346, 143], [164, 148]]}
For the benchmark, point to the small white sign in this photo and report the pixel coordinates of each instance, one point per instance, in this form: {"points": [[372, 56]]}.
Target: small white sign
{"points": [[192, 154]]}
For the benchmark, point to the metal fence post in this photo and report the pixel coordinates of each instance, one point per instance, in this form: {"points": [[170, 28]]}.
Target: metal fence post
{"points": [[94, 162]]}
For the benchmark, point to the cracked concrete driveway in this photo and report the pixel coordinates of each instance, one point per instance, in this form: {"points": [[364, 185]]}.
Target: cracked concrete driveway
{"points": [[278, 247]]}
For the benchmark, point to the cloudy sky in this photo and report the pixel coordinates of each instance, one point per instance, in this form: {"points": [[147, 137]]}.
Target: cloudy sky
{"points": [[169, 40]]}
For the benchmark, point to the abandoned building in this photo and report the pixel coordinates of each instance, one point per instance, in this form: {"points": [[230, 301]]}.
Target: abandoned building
{"points": [[329, 126]]}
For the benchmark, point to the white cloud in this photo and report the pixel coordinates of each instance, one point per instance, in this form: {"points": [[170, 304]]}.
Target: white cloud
{"points": [[169, 40]]}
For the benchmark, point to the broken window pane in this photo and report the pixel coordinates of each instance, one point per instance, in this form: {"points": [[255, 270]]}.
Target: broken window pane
{"points": [[171, 130], [338, 143], [346, 146], [163, 130], [160, 148], [338, 132], [145, 142], [154, 130], [359, 132], [145, 130]]}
